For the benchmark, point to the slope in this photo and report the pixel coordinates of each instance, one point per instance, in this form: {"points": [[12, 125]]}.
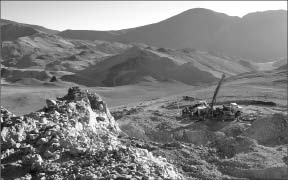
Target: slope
{"points": [[141, 63], [51, 52], [11, 30], [258, 36]]}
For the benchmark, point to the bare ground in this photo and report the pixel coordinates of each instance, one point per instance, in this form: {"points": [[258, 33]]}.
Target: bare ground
{"points": [[151, 114]]}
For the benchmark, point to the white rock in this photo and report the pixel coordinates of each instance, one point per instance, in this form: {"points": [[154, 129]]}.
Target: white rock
{"points": [[51, 103], [36, 161], [43, 120]]}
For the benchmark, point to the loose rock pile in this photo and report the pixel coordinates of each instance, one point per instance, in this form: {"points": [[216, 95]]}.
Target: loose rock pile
{"points": [[74, 137], [271, 130]]}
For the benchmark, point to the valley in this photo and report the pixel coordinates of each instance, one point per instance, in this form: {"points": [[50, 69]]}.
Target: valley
{"points": [[142, 76]]}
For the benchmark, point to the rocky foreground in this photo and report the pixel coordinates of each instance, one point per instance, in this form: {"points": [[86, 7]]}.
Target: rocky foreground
{"points": [[74, 137]]}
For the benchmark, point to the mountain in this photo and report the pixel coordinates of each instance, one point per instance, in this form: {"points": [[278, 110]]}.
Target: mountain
{"points": [[111, 63], [11, 30], [266, 66], [33, 55], [139, 64], [29, 46], [259, 36], [90, 35], [280, 63]]}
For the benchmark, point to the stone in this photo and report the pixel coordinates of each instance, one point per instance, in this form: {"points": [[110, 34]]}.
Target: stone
{"points": [[54, 140], [72, 177], [77, 151], [43, 120], [47, 154], [32, 136], [17, 145], [41, 141], [34, 131], [27, 177], [100, 118], [51, 103], [101, 107], [36, 162], [56, 113], [4, 134], [53, 79]]}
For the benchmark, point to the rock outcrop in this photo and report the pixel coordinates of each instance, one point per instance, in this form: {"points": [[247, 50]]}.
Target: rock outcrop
{"points": [[74, 137]]}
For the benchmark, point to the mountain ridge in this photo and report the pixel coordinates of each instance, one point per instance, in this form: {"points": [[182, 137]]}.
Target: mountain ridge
{"points": [[31, 47], [137, 63], [209, 30]]}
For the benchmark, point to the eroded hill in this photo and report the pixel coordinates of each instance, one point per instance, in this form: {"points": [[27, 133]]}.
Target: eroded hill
{"points": [[159, 64], [51, 52]]}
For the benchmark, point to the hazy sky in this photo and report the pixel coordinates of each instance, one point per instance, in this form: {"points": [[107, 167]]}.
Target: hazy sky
{"points": [[114, 15]]}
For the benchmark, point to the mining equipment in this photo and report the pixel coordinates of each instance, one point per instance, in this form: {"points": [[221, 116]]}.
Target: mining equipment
{"points": [[202, 110]]}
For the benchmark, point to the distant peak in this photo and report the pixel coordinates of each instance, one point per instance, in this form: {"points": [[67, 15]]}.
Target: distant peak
{"points": [[269, 12], [199, 11]]}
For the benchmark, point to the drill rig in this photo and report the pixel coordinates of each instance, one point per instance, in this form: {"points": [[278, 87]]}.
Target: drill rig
{"points": [[202, 111]]}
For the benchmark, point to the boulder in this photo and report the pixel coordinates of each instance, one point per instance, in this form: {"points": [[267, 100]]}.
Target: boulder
{"points": [[51, 103]]}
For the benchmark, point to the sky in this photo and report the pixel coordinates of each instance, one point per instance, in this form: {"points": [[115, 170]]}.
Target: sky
{"points": [[116, 15]]}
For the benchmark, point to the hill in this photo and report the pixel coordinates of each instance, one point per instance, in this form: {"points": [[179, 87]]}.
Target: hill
{"points": [[28, 47], [11, 30], [157, 64], [259, 36]]}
